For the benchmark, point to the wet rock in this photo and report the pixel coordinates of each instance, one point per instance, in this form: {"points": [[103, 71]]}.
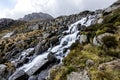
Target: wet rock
{"points": [[19, 75], [64, 43], [79, 26], [54, 40], [83, 75], [33, 78], [43, 75], [41, 47], [51, 58], [2, 68], [1, 78], [98, 40], [37, 68], [42, 65], [83, 39], [21, 62]]}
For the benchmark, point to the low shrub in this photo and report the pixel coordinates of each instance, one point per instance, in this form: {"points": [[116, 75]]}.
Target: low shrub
{"points": [[109, 41]]}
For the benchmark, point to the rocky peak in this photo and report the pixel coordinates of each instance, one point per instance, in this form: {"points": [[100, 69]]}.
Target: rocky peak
{"points": [[117, 3], [113, 7], [37, 16]]}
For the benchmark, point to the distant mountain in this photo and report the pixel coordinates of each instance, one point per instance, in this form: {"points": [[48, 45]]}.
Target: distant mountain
{"points": [[37, 16]]}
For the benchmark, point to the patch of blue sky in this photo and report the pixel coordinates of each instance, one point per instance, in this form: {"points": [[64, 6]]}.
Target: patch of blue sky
{"points": [[6, 4]]}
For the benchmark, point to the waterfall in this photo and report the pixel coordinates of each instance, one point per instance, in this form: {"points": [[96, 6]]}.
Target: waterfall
{"points": [[65, 43]]}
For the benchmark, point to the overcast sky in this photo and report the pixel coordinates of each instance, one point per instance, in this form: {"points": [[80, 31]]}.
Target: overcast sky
{"points": [[18, 8]]}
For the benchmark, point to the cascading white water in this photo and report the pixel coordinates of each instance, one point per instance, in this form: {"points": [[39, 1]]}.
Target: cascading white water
{"points": [[65, 43], [8, 35]]}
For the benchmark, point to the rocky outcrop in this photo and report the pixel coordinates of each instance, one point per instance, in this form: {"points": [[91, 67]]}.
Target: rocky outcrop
{"points": [[6, 22], [78, 76], [115, 64], [97, 40], [37, 16], [33, 27], [112, 7], [41, 47]]}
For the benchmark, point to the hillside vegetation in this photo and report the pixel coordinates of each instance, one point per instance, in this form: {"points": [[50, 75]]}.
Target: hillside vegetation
{"points": [[101, 62]]}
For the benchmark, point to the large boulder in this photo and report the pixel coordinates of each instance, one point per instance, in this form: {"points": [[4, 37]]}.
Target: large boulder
{"points": [[19, 75], [54, 40], [43, 64], [43, 75], [45, 35], [100, 21], [34, 27], [2, 68], [83, 39], [115, 64], [33, 78], [78, 76], [80, 27], [51, 58], [97, 40], [42, 47]]}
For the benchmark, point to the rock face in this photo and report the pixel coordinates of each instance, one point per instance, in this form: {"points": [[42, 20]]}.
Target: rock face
{"points": [[6, 22], [37, 16], [78, 76]]}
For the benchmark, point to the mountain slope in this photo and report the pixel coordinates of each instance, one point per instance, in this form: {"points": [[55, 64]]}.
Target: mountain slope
{"points": [[96, 56], [81, 46]]}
